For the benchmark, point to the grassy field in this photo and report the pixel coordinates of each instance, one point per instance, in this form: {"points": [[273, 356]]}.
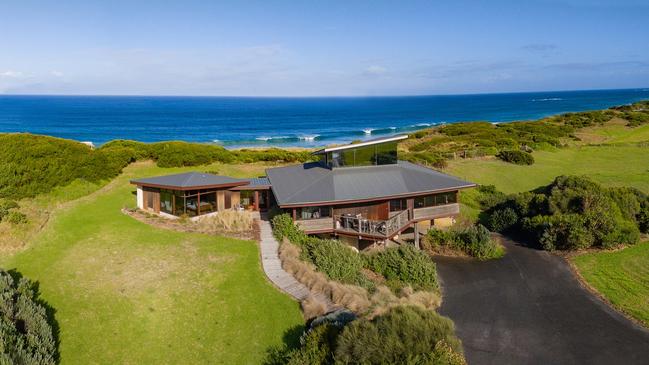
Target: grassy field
{"points": [[621, 276], [609, 165], [127, 293]]}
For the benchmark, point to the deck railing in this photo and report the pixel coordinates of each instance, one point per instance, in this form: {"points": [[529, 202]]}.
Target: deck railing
{"points": [[373, 227]]}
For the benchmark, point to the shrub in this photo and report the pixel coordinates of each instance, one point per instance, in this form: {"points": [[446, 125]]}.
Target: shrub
{"points": [[6, 206], [516, 157], [643, 218], [404, 264], [502, 219], [405, 334], [26, 335], [335, 259], [283, 226], [575, 213], [15, 217], [474, 240], [489, 196]]}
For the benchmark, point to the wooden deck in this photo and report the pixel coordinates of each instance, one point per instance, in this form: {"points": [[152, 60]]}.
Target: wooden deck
{"points": [[277, 275]]}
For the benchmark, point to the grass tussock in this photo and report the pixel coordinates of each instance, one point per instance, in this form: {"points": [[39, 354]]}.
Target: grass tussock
{"points": [[228, 221], [312, 307], [352, 297]]}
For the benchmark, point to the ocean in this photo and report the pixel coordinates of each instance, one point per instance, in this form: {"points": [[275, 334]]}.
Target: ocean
{"points": [[280, 122]]}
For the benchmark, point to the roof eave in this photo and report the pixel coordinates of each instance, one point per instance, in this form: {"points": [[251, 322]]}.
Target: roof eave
{"points": [[364, 200], [183, 188]]}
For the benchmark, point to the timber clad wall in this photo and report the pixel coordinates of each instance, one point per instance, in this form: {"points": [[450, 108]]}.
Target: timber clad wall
{"points": [[220, 200], [438, 211], [376, 211], [320, 224]]}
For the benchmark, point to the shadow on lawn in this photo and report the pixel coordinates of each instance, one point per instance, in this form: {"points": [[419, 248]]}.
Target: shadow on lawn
{"points": [[277, 354]]}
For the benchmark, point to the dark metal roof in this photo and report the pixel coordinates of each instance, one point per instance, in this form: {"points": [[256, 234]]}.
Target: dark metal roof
{"points": [[368, 142], [312, 183], [258, 181], [190, 180]]}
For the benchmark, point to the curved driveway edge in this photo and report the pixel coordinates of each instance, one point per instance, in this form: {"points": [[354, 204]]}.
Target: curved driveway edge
{"points": [[528, 308]]}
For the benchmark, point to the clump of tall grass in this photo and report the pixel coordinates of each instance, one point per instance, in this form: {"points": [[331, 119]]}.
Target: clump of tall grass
{"points": [[227, 221], [312, 307], [352, 297]]}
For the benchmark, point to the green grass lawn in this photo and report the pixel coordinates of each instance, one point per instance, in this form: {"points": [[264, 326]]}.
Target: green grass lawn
{"points": [[609, 165], [621, 276], [128, 293]]}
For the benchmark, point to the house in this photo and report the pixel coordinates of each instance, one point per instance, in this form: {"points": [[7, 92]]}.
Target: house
{"points": [[196, 194], [360, 193]]}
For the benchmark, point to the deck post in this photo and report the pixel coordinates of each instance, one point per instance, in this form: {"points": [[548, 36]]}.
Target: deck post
{"points": [[256, 200], [198, 205], [416, 235]]}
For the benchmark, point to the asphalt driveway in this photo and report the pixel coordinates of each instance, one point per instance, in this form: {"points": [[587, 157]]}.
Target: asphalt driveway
{"points": [[528, 308]]}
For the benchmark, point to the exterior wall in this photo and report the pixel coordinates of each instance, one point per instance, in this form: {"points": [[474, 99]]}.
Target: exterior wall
{"points": [[220, 200], [437, 212], [236, 198], [140, 198], [320, 224]]}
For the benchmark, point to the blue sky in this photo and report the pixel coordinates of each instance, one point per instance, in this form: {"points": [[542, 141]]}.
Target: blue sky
{"points": [[316, 48]]}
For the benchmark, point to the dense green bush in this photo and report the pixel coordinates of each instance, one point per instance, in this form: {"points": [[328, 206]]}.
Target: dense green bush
{"points": [[316, 348], [405, 265], [474, 240], [643, 218], [177, 153], [489, 196], [32, 164], [26, 334], [516, 157], [404, 335], [501, 220], [584, 119], [6, 206], [15, 217], [572, 213], [331, 257]]}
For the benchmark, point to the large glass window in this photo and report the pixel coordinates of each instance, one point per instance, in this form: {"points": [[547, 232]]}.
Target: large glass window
{"points": [[166, 201], [313, 213], [378, 154], [386, 153], [191, 205], [179, 207], [435, 199], [247, 199], [398, 205], [208, 202]]}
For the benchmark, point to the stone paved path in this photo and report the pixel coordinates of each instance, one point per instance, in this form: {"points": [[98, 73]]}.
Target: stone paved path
{"points": [[276, 274]]}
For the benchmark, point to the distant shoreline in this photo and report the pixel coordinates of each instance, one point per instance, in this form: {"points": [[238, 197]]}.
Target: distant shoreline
{"points": [[262, 123]]}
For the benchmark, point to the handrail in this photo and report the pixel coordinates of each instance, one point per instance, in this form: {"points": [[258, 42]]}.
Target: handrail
{"points": [[372, 226]]}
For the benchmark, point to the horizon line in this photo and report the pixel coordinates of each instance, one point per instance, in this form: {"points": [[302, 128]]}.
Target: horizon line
{"points": [[327, 96]]}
